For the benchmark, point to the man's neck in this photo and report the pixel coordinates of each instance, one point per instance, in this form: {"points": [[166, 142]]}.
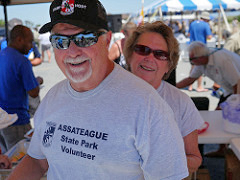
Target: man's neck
{"points": [[93, 82]]}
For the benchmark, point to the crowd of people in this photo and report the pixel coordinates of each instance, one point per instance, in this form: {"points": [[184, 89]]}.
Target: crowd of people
{"points": [[115, 116]]}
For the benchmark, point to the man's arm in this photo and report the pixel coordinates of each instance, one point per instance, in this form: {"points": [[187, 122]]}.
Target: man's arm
{"points": [[36, 61], [185, 82], [37, 56], [34, 92], [209, 37], [29, 169], [235, 89]]}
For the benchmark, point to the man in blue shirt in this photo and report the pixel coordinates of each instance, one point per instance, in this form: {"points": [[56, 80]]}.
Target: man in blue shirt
{"points": [[200, 30], [17, 81], [33, 55]]}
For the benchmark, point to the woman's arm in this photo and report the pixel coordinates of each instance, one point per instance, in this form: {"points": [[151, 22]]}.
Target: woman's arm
{"points": [[194, 158]]}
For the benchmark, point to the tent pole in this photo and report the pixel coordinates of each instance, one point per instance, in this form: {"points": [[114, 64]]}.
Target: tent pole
{"points": [[160, 13], [225, 18], [219, 29], [6, 18]]}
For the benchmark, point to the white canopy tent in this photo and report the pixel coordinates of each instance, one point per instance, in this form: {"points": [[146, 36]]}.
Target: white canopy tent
{"points": [[182, 6], [190, 5], [6, 3]]}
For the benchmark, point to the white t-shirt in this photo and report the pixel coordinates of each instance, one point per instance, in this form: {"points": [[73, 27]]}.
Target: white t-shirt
{"points": [[120, 130], [44, 38], [186, 114], [223, 68]]}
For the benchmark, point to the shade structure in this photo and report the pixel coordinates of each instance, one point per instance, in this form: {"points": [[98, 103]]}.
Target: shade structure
{"points": [[18, 2], [5, 3], [190, 5]]}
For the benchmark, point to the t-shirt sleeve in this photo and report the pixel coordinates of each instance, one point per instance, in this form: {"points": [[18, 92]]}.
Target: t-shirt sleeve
{"points": [[27, 75], [196, 72], [208, 30], [191, 118], [161, 143], [34, 149]]}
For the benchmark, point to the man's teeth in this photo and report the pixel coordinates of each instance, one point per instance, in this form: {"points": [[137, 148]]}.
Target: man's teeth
{"points": [[147, 69], [77, 63]]}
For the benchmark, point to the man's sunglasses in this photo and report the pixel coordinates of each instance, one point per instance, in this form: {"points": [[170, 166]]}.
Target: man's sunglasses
{"points": [[83, 39], [195, 58], [145, 51]]}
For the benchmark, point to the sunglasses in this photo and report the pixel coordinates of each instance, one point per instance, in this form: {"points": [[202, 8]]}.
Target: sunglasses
{"points": [[194, 58], [83, 39], [145, 51]]}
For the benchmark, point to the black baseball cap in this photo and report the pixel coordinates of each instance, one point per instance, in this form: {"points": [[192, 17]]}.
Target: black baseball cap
{"points": [[86, 14]]}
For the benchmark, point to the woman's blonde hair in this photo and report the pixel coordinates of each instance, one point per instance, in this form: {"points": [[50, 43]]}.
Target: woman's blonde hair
{"points": [[162, 29]]}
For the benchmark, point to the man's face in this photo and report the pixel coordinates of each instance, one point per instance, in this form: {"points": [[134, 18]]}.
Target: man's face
{"points": [[85, 67], [201, 60], [26, 42], [149, 67]]}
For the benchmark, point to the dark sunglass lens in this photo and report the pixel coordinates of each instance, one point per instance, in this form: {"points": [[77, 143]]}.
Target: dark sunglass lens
{"points": [[163, 56], [85, 40], [142, 50], [60, 42]]}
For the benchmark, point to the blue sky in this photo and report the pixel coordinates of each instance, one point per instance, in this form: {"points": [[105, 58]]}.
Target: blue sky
{"points": [[38, 13]]}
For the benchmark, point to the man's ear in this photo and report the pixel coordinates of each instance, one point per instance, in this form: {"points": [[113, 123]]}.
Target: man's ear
{"points": [[109, 37]]}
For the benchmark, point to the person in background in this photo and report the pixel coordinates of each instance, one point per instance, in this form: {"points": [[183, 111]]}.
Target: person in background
{"points": [[45, 45], [233, 43], [16, 81], [199, 30], [220, 65], [235, 25], [96, 140], [35, 36], [152, 52], [33, 55], [116, 50]]}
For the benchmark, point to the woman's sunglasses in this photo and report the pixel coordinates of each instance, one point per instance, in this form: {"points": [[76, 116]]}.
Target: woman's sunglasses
{"points": [[145, 51], [83, 39]]}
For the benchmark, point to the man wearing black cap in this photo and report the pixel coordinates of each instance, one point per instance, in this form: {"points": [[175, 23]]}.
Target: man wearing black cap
{"points": [[102, 122]]}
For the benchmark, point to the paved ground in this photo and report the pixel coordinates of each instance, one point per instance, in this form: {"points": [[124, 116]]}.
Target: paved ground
{"points": [[51, 75]]}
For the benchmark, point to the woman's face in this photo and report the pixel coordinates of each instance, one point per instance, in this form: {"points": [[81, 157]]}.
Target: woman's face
{"points": [[148, 67]]}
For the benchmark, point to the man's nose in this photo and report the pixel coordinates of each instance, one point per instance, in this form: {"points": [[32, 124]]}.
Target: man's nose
{"points": [[74, 49]]}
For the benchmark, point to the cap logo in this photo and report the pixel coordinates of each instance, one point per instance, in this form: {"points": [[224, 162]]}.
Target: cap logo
{"points": [[67, 7]]}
